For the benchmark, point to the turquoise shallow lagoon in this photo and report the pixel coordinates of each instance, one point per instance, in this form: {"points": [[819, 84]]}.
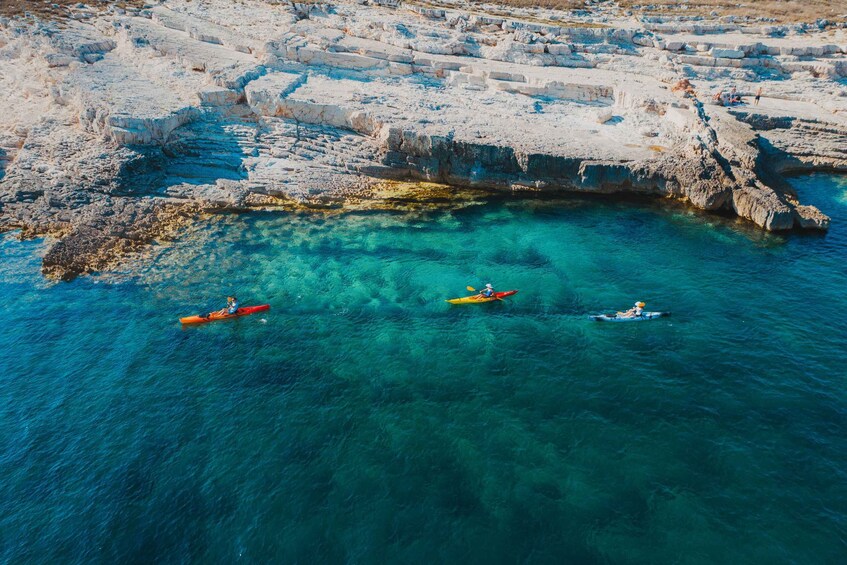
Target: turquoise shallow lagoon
{"points": [[364, 420]]}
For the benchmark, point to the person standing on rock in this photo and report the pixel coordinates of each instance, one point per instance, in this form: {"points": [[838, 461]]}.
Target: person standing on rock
{"points": [[758, 95]]}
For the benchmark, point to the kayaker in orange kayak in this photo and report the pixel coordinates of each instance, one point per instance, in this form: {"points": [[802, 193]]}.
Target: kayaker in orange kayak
{"points": [[233, 310], [231, 306], [487, 292]]}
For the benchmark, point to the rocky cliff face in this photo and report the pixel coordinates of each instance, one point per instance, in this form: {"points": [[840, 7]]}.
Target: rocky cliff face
{"points": [[123, 125]]}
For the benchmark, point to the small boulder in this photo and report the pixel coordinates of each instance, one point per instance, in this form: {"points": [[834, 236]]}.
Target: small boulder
{"points": [[603, 116], [558, 49], [719, 53], [523, 36], [809, 217], [642, 40]]}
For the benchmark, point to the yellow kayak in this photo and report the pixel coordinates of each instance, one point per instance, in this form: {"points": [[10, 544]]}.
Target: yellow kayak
{"points": [[477, 299]]}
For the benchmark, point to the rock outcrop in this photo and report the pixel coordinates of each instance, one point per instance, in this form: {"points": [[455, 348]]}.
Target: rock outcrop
{"points": [[123, 125]]}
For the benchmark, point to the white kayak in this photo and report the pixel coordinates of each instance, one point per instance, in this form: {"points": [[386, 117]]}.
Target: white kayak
{"points": [[615, 318]]}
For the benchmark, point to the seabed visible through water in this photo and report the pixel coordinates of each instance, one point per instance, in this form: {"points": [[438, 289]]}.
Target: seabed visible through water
{"points": [[365, 420]]}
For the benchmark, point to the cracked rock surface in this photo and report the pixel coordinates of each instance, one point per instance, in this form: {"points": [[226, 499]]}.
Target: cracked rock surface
{"points": [[120, 126]]}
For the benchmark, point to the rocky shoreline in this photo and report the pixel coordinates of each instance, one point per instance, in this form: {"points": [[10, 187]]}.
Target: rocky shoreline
{"points": [[124, 124]]}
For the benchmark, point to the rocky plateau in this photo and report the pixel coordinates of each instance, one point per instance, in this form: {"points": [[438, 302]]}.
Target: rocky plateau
{"points": [[121, 125]]}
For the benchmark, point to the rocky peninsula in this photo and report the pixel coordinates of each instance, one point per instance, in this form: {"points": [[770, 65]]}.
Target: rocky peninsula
{"points": [[122, 124]]}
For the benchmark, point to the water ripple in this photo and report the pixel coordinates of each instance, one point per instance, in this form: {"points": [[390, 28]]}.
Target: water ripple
{"points": [[364, 419]]}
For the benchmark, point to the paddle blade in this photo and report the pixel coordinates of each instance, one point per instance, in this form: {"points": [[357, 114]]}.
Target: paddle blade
{"points": [[470, 288]]}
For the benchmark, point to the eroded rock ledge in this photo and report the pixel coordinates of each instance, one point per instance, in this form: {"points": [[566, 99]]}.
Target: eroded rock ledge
{"points": [[123, 125]]}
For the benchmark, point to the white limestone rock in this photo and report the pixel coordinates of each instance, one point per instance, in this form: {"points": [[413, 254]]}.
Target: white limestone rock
{"points": [[719, 53], [265, 94], [307, 102]]}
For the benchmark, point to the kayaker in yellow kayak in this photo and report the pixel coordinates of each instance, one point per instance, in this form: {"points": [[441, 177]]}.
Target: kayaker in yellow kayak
{"points": [[633, 312], [487, 292]]}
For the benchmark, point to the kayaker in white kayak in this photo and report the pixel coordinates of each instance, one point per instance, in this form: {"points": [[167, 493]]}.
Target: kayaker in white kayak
{"points": [[633, 312], [487, 292]]}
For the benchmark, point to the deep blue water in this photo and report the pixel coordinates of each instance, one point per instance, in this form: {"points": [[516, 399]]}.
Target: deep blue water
{"points": [[364, 420]]}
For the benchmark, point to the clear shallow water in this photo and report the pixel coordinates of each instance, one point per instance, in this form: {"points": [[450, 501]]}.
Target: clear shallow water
{"points": [[365, 420]]}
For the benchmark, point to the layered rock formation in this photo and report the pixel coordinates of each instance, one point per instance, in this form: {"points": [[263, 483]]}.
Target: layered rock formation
{"points": [[122, 125]]}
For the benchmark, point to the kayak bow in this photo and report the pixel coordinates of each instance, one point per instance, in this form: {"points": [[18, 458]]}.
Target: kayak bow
{"points": [[214, 316], [477, 299]]}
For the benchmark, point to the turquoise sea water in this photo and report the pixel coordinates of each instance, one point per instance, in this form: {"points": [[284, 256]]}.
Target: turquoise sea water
{"points": [[364, 420]]}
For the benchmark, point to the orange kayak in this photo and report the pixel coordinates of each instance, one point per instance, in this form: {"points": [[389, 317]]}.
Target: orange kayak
{"points": [[215, 316]]}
